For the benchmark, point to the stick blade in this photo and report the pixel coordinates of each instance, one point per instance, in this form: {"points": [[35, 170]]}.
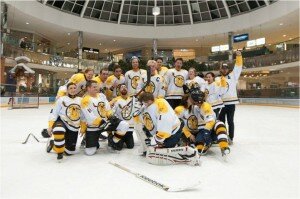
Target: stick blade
{"points": [[184, 188]]}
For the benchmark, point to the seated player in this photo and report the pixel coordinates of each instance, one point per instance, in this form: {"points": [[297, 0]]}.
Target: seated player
{"points": [[80, 80], [99, 118], [162, 123], [121, 110], [211, 127], [64, 122]]}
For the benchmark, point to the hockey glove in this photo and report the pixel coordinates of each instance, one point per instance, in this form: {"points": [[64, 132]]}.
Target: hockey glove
{"points": [[186, 89], [206, 134]]}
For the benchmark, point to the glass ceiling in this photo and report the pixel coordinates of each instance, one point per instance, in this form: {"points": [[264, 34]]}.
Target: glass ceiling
{"points": [[172, 12]]}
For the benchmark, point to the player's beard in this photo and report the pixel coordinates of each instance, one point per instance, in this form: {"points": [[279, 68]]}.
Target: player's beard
{"points": [[123, 92]]}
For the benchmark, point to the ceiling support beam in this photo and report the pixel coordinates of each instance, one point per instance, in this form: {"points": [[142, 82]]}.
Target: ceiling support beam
{"points": [[226, 8], [190, 11], [121, 10], [44, 2], [84, 7]]}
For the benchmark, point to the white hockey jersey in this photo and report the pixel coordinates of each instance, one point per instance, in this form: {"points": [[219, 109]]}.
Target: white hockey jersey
{"points": [[196, 82], [230, 96], [94, 110], [122, 111], [214, 91], [163, 70], [134, 80], [191, 121], [101, 85], [116, 82], [69, 111], [175, 80], [156, 86], [160, 119], [80, 81]]}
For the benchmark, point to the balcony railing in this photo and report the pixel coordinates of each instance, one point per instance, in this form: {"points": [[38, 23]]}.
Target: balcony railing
{"points": [[283, 93]]}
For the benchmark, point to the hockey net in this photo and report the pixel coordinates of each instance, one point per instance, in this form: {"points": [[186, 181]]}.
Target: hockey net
{"points": [[24, 100]]}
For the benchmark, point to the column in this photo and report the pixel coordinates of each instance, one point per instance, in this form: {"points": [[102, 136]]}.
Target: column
{"points": [[154, 48], [230, 44], [79, 46]]}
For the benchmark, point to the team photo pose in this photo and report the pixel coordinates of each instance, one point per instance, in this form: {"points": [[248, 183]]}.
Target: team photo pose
{"points": [[99, 118], [64, 122]]}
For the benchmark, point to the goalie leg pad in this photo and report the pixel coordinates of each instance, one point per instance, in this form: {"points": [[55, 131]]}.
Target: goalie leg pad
{"points": [[169, 156], [138, 128]]}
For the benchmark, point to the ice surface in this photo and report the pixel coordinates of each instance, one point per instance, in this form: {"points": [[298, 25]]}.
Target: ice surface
{"points": [[264, 163]]}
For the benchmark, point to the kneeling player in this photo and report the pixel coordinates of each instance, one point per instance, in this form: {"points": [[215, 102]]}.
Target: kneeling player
{"points": [[122, 112], [64, 122], [163, 124], [211, 127], [99, 118]]}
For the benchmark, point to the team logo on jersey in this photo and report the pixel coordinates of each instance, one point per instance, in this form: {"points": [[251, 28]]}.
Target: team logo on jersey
{"points": [[148, 121], [150, 88], [73, 112], [126, 112], [135, 81], [101, 109], [192, 122], [179, 80]]}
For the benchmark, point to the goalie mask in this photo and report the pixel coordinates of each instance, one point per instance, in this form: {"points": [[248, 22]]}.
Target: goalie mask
{"points": [[197, 95]]}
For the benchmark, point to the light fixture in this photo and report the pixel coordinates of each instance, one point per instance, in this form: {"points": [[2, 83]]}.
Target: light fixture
{"points": [[197, 40], [290, 38], [27, 23], [155, 11], [100, 44], [281, 24], [114, 40], [68, 43], [284, 35], [69, 33]]}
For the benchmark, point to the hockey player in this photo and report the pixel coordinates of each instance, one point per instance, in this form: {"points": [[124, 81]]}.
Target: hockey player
{"points": [[99, 117], [208, 125], [194, 80], [162, 123], [122, 111], [160, 120], [114, 81], [80, 80], [135, 77], [214, 91], [101, 80], [175, 79], [64, 122], [156, 85], [161, 70], [230, 98]]}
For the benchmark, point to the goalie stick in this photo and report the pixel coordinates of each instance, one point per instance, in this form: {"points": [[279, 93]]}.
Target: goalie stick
{"points": [[155, 183]]}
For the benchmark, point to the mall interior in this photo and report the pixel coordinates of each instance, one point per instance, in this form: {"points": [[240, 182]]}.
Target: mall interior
{"points": [[54, 39]]}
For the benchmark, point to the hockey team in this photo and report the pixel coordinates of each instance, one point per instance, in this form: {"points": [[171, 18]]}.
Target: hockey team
{"points": [[175, 114]]}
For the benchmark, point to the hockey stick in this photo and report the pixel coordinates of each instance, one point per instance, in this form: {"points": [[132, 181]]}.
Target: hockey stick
{"points": [[137, 94], [153, 182], [30, 134]]}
